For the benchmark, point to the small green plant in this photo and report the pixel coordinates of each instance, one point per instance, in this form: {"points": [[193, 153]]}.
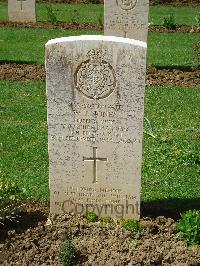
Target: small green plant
{"points": [[67, 253], [106, 220], [197, 18], [189, 157], [131, 225], [136, 242], [75, 17], [189, 227], [156, 2], [197, 52], [148, 128], [100, 19], [91, 217], [169, 22], [51, 16], [10, 195]]}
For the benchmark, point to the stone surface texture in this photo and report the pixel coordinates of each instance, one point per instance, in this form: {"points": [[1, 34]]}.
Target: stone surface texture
{"points": [[95, 91], [126, 18], [21, 10]]}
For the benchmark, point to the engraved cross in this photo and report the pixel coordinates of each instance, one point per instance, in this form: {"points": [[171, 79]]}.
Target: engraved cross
{"points": [[95, 160], [21, 2]]}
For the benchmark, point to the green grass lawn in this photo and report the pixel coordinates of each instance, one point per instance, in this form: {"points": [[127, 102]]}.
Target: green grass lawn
{"points": [[182, 15], [170, 160], [80, 13], [22, 44], [23, 137], [94, 13], [172, 49]]}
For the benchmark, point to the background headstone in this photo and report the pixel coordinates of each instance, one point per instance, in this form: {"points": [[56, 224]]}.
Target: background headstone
{"points": [[126, 18], [21, 10], [95, 91]]}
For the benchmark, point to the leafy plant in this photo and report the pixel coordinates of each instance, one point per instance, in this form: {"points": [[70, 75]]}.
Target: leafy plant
{"points": [[67, 253], [51, 16], [10, 195], [131, 225], [197, 52], [155, 2], [75, 17], [91, 217], [136, 242], [189, 227], [106, 220], [169, 22], [93, 1], [189, 157], [100, 19], [148, 128], [197, 18]]}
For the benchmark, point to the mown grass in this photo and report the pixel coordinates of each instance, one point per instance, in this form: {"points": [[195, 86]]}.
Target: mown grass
{"points": [[21, 44], [80, 13], [170, 160], [166, 50], [182, 15], [23, 137], [172, 49], [94, 13]]}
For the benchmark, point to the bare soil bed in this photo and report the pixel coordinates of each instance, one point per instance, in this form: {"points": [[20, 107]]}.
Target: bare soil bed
{"points": [[35, 240], [49, 25], [91, 26], [179, 29], [159, 77]]}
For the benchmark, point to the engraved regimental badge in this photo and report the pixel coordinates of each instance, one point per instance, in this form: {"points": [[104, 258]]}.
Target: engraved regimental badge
{"points": [[95, 78], [126, 4]]}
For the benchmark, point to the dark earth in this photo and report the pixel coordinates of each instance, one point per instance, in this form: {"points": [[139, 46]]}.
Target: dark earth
{"points": [[92, 26], [161, 77], [34, 239]]}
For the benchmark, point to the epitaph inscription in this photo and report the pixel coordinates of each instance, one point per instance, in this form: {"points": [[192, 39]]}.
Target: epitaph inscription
{"points": [[95, 132]]}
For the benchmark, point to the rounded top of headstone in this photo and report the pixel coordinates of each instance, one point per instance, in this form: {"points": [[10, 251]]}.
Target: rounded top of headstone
{"points": [[97, 38]]}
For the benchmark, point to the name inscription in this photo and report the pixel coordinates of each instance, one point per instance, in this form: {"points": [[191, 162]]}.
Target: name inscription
{"points": [[100, 123]]}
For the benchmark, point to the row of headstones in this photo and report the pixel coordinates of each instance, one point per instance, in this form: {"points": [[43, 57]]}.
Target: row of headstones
{"points": [[124, 18], [95, 90]]}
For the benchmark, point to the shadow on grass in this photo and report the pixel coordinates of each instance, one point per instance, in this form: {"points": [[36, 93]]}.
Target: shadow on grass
{"points": [[169, 207], [181, 68], [19, 62]]}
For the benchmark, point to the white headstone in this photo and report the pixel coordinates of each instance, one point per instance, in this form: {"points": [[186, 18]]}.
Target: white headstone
{"points": [[95, 90], [21, 10], [126, 18]]}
